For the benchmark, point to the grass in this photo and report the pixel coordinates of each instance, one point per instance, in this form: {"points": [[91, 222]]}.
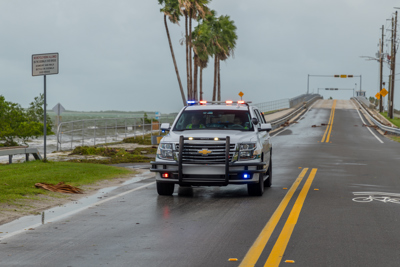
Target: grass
{"points": [[17, 181], [395, 121]]}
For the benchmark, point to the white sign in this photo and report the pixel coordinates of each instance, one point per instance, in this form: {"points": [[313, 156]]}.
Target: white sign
{"points": [[44, 64], [58, 109], [158, 114]]}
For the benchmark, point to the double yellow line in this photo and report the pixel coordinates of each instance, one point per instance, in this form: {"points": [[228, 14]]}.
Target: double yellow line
{"points": [[330, 124], [279, 248]]}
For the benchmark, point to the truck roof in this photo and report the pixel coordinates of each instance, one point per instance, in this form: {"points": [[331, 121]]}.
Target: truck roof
{"points": [[218, 107]]}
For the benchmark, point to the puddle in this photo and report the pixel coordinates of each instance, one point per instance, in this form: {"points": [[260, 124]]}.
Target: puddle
{"points": [[61, 212]]}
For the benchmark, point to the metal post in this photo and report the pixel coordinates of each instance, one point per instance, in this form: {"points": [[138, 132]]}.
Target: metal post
{"points": [[125, 127], [45, 124], [151, 129], [308, 82], [105, 131], [83, 132], [116, 131], [143, 128], [134, 129], [94, 139], [72, 134]]}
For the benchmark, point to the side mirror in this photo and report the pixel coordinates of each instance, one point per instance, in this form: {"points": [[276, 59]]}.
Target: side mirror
{"points": [[254, 121], [265, 127], [165, 127]]}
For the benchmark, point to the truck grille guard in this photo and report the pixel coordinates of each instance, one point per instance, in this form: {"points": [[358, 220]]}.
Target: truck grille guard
{"points": [[226, 161]]}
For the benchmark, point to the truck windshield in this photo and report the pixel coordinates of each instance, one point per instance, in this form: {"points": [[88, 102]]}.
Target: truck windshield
{"points": [[214, 119]]}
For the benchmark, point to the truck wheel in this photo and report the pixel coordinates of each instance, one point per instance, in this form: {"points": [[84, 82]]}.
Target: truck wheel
{"points": [[256, 189], [165, 189], [268, 182]]}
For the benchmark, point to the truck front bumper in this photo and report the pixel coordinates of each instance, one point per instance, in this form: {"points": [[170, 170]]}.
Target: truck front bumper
{"points": [[208, 174]]}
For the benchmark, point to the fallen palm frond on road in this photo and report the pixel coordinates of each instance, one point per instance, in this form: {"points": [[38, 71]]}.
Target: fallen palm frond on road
{"points": [[61, 187]]}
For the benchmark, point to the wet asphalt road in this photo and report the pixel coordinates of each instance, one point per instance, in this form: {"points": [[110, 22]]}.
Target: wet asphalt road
{"points": [[347, 217]]}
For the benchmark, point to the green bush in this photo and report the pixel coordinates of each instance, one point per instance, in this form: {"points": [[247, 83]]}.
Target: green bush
{"points": [[22, 124]]}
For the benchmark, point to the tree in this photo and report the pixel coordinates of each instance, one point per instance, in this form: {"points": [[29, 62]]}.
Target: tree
{"points": [[202, 49], [192, 9], [171, 10], [224, 36], [18, 124]]}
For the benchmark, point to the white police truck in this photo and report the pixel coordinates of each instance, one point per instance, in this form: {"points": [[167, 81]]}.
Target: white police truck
{"points": [[215, 144]]}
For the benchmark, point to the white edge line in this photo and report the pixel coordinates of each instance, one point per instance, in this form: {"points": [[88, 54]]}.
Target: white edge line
{"points": [[366, 124], [75, 211]]}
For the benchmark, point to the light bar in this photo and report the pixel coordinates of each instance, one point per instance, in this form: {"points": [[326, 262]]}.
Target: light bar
{"points": [[191, 102], [240, 102], [203, 102], [228, 101]]}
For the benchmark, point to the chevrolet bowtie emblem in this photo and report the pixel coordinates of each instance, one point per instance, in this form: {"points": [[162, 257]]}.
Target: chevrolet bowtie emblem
{"points": [[204, 151]]}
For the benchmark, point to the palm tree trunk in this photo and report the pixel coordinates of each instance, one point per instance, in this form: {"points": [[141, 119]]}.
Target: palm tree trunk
{"points": [[201, 83], [173, 58], [215, 77], [195, 78], [219, 80], [190, 57], [187, 57]]}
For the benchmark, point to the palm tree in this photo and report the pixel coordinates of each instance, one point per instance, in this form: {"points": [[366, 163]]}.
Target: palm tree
{"points": [[172, 10], [228, 42], [223, 40], [202, 51], [192, 9]]}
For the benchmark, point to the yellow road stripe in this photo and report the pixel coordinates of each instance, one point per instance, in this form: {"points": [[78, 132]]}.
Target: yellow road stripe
{"points": [[280, 246], [330, 122], [258, 246]]}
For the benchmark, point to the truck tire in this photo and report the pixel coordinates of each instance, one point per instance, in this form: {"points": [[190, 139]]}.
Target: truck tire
{"points": [[268, 182], [256, 189], [165, 189]]}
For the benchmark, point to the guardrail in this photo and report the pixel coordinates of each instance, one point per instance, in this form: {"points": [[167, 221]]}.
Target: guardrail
{"points": [[97, 131], [277, 123], [284, 103], [375, 121], [11, 151]]}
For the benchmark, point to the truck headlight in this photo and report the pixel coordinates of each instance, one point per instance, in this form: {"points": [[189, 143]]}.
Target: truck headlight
{"points": [[165, 151], [248, 151]]}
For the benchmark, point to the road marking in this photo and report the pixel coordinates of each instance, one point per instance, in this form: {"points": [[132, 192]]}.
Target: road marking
{"points": [[258, 246], [280, 246], [366, 124], [328, 130], [378, 196]]}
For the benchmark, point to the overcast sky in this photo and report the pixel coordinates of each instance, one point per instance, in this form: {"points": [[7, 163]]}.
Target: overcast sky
{"points": [[114, 55]]}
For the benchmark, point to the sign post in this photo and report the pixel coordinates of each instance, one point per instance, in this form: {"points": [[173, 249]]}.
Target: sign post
{"points": [[42, 65]]}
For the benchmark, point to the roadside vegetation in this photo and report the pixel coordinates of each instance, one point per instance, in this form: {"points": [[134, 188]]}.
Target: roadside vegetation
{"points": [[395, 120], [114, 155], [19, 125], [18, 180]]}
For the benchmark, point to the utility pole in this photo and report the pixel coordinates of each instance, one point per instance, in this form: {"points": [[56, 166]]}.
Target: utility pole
{"points": [[381, 71], [393, 64]]}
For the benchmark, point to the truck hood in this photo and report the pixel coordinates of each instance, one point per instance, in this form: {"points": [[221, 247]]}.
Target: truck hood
{"points": [[235, 136]]}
